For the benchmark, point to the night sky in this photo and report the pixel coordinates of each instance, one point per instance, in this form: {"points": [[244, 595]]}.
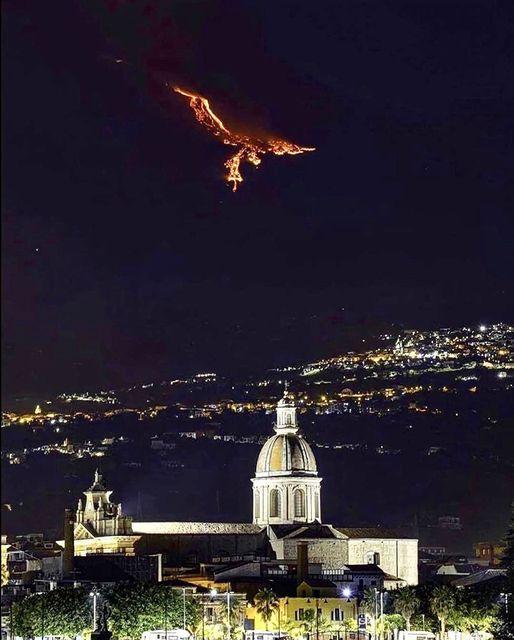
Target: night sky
{"points": [[127, 258]]}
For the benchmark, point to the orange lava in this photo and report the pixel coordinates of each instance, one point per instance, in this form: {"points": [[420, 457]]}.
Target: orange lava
{"points": [[248, 149]]}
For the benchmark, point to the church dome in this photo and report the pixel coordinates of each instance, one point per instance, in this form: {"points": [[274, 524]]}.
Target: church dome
{"points": [[286, 454], [286, 487]]}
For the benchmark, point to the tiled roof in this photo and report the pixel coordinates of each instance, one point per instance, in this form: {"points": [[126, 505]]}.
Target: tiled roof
{"points": [[365, 568], [303, 531], [318, 582], [479, 577], [190, 528]]}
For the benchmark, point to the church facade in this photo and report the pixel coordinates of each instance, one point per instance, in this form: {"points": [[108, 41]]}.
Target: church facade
{"points": [[286, 513]]}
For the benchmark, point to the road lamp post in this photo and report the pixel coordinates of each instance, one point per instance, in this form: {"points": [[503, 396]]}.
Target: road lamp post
{"points": [[183, 608], [94, 594], [381, 613], [505, 597], [347, 593], [203, 618], [376, 611], [228, 615], [317, 618]]}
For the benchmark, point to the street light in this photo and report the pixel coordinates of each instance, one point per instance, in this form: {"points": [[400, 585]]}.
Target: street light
{"points": [[381, 612], [505, 597], [376, 610], [183, 608], [228, 615], [94, 594]]}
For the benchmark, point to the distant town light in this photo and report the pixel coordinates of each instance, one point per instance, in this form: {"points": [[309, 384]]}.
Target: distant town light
{"points": [[482, 327]]}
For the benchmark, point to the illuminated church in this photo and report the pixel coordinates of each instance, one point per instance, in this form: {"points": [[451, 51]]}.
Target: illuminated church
{"points": [[286, 513]]}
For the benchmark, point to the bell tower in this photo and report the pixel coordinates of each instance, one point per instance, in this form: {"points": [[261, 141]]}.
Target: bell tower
{"points": [[101, 515]]}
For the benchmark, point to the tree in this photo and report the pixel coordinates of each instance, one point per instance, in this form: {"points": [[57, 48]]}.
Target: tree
{"points": [[476, 610], [313, 622], [237, 615], [62, 612], [292, 628], [505, 626], [136, 607], [368, 603], [406, 603], [442, 604], [390, 622], [350, 624], [266, 603]]}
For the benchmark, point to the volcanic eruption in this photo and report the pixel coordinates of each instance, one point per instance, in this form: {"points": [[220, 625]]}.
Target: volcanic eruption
{"points": [[249, 149]]}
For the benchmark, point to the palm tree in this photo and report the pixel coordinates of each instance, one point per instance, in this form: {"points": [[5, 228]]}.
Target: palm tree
{"points": [[266, 603], [406, 602], [368, 604], [442, 604]]}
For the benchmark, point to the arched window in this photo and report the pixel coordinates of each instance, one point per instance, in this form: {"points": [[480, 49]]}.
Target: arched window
{"points": [[316, 506], [275, 503], [373, 557], [257, 504], [299, 503]]}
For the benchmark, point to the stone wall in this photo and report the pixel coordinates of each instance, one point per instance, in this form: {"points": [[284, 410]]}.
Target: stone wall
{"points": [[331, 553], [398, 557], [194, 548]]}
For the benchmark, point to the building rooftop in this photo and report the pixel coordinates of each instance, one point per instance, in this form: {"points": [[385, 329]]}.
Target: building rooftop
{"points": [[375, 532], [196, 528], [303, 531], [480, 577]]}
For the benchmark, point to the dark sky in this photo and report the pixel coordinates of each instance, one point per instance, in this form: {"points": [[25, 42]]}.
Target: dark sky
{"points": [[126, 257]]}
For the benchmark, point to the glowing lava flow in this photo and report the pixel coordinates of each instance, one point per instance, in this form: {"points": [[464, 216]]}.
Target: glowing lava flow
{"points": [[249, 149]]}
